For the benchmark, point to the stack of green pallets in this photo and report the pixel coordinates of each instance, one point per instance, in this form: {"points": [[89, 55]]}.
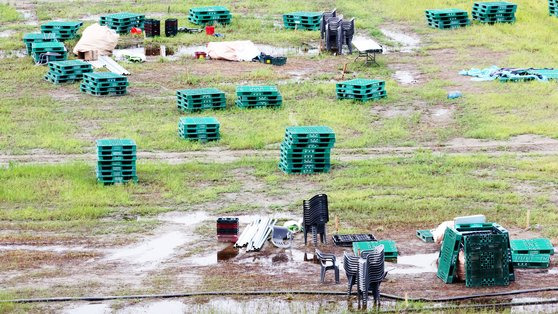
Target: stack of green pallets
{"points": [[116, 161], [447, 18], [553, 7], [531, 253], [361, 89], [45, 52], [62, 30], [306, 149], [494, 12], [488, 257], [123, 22], [258, 96], [67, 71], [303, 20], [209, 15], [200, 99], [203, 129], [31, 38], [104, 84]]}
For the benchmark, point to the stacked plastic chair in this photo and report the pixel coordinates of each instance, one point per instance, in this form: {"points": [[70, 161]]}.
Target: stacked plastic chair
{"points": [[315, 216], [370, 275], [350, 263], [335, 32]]}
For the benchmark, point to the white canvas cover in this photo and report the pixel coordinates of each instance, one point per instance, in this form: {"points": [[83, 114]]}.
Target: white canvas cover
{"points": [[99, 38], [243, 50]]}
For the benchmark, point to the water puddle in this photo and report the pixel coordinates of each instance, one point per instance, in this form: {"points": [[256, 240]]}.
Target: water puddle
{"points": [[414, 264], [404, 77], [407, 43], [187, 219], [7, 33], [540, 308], [151, 252], [48, 248], [166, 306], [189, 51], [16, 53], [94, 308]]}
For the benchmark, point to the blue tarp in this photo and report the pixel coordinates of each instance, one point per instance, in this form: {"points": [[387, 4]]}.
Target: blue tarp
{"points": [[510, 74]]}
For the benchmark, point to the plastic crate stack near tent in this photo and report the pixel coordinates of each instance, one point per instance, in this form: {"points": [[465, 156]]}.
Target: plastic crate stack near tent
{"points": [[62, 30], [104, 84], [123, 22], [116, 161], [307, 149], [44, 52], [67, 71], [31, 38]]}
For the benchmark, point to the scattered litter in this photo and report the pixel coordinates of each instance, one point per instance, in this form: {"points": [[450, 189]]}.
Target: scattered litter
{"points": [[131, 55], [510, 74], [454, 95], [281, 237], [189, 30], [293, 226]]}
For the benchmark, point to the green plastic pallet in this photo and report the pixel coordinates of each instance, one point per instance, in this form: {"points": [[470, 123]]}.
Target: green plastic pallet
{"points": [[447, 270], [532, 246], [425, 236], [486, 260], [390, 248], [531, 260]]}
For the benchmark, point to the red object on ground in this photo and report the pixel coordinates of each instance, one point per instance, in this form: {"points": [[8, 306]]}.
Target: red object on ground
{"points": [[210, 30], [136, 30], [200, 55]]}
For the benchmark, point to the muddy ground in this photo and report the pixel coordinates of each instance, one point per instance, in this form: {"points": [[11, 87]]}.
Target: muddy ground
{"points": [[182, 255]]}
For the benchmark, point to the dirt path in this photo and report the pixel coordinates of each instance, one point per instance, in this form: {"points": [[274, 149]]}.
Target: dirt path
{"points": [[519, 145]]}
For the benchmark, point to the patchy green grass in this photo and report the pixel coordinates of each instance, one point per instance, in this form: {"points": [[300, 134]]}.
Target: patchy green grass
{"points": [[421, 190], [9, 14]]}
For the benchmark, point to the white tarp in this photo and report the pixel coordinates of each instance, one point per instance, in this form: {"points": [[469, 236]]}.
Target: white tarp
{"points": [[244, 50], [97, 38]]}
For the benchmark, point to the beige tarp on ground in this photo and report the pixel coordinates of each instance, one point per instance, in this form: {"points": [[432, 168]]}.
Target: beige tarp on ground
{"points": [[97, 38], [244, 50]]}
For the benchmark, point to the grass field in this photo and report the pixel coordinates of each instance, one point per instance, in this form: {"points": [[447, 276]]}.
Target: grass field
{"points": [[62, 204]]}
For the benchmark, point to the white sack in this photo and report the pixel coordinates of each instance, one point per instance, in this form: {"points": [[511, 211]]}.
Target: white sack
{"points": [[97, 37], [244, 50]]}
